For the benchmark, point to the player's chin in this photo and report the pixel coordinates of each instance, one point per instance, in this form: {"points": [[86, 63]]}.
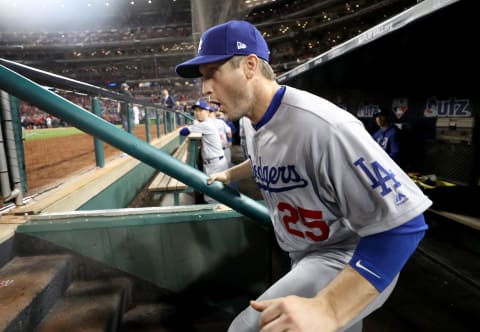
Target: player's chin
{"points": [[223, 110], [227, 115]]}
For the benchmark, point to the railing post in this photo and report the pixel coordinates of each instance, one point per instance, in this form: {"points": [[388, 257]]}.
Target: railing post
{"points": [[165, 122], [147, 124], [18, 133], [98, 144], [187, 118], [193, 148], [158, 122], [130, 118]]}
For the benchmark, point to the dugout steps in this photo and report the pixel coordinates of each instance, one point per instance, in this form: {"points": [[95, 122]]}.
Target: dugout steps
{"points": [[89, 306], [40, 293], [46, 287], [29, 286], [165, 269]]}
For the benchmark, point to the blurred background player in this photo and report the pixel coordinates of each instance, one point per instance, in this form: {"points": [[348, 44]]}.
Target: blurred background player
{"points": [[224, 131], [387, 135], [213, 158]]}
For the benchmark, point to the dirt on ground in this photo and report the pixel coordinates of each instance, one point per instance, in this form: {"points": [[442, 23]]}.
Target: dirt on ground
{"points": [[49, 161]]}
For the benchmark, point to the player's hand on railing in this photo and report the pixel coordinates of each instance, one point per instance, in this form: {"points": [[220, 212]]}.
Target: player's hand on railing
{"points": [[221, 176]]}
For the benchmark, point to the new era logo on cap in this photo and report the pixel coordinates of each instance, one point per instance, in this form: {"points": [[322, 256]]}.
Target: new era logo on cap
{"points": [[222, 42], [240, 45]]}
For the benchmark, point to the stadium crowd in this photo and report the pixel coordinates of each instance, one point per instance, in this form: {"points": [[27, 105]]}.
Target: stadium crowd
{"points": [[297, 30], [144, 49]]}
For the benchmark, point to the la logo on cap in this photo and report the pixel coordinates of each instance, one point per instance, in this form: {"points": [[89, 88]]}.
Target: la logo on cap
{"points": [[200, 45], [240, 45]]}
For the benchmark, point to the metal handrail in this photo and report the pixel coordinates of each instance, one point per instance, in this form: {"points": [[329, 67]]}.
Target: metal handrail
{"points": [[28, 90]]}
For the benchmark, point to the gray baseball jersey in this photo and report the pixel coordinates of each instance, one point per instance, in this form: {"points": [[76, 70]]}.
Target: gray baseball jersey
{"points": [[213, 156], [323, 177], [211, 144], [326, 182], [224, 131]]}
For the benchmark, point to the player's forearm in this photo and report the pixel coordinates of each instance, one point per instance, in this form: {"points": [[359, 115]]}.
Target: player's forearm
{"points": [[347, 295], [240, 171]]}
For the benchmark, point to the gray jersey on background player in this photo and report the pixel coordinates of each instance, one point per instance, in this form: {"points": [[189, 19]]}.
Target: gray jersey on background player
{"points": [[211, 150], [211, 144], [225, 132]]}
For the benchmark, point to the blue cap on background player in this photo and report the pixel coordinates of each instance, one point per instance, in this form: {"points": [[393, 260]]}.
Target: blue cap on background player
{"points": [[201, 104], [222, 42], [380, 112], [213, 108]]}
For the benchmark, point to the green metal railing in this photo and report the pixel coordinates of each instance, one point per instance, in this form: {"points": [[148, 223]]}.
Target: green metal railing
{"points": [[28, 90]]}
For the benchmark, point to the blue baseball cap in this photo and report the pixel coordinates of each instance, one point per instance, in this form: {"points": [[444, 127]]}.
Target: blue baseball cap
{"points": [[201, 104], [380, 112], [213, 108], [222, 42]]}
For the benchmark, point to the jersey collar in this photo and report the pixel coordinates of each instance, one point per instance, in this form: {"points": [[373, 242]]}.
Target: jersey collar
{"points": [[272, 108]]}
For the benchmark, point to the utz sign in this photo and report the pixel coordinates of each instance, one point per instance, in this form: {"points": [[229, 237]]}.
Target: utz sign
{"points": [[452, 108]]}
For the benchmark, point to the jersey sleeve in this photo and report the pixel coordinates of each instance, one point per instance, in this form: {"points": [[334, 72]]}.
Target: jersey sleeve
{"points": [[184, 131], [371, 193], [381, 256], [227, 128], [202, 128]]}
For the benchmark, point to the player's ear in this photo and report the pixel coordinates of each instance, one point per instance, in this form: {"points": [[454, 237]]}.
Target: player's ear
{"points": [[250, 65]]}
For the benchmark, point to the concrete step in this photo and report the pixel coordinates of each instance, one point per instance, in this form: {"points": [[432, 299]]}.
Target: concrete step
{"points": [[29, 287], [154, 317], [169, 317], [41, 294], [90, 306], [213, 322]]}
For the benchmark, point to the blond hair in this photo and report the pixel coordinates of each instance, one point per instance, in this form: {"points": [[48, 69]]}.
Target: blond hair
{"points": [[265, 68]]}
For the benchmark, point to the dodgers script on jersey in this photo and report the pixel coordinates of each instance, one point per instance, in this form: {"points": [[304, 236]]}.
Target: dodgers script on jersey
{"points": [[344, 190]]}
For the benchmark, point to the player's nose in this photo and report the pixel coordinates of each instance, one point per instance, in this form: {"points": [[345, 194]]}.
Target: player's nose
{"points": [[206, 88]]}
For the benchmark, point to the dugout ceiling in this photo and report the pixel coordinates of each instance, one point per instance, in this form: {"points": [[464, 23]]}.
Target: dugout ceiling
{"points": [[433, 52]]}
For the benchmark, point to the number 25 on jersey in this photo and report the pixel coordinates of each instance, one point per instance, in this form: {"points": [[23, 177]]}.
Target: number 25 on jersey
{"points": [[314, 227]]}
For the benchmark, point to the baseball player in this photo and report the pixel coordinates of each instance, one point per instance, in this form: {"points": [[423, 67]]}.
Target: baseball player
{"points": [[387, 135], [211, 150], [348, 216], [225, 133]]}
